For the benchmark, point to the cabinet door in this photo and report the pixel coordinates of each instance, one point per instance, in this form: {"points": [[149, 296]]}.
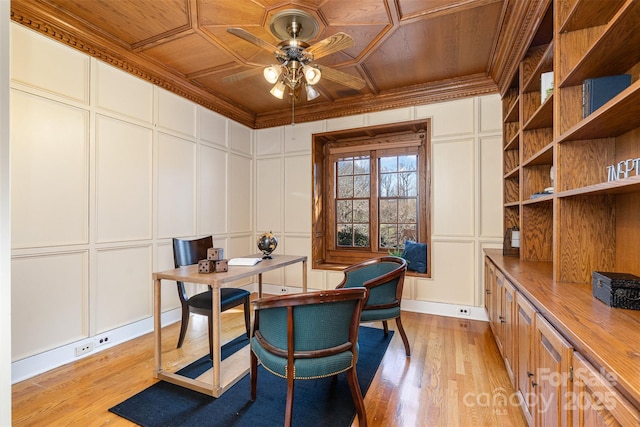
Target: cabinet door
{"points": [[508, 327], [497, 319], [489, 286], [525, 325], [594, 400], [551, 379]]}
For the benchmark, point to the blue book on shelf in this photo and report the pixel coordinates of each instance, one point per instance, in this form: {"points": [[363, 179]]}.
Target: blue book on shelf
{"points": [[597, 92]]}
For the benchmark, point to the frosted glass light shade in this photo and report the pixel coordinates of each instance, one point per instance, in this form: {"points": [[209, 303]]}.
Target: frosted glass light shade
{"points": [[271, 73], [312, 93], [312, 74], [278, 90]]}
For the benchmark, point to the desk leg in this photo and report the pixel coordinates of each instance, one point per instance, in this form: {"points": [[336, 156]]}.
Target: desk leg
{"points": [[157, 327], [217, 331], [259, 285], [304, 276]]}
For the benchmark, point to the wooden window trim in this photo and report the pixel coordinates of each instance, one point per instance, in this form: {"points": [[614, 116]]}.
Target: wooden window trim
{"points": [[392, 138]]}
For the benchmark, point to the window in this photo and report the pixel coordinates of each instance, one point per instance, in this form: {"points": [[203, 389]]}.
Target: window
{"points": [[371, 192]]}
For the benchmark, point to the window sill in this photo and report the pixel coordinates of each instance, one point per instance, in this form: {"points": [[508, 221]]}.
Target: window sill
{"points": [[340, 267]]}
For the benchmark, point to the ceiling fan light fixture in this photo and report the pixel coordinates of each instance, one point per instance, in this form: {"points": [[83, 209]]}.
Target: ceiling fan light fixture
{"points": [[278, 89], [312, 74], [271, 73], [312, 93]]}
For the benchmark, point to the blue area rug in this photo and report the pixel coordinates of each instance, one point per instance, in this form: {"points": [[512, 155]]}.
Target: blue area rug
{"points": [[323, 402]]}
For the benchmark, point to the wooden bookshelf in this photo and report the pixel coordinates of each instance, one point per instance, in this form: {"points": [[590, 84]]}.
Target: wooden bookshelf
{"points": [[588, 224]]}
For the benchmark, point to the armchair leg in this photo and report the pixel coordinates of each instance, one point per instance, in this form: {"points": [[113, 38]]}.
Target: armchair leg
{"points": [[354, 386], [386, 327], [288, 414], [407, 350], [183, 326], [247, 316], [253, 373]]}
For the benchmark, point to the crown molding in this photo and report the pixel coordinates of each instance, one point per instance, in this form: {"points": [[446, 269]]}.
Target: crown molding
{"points": [[445, 90], [520, 20]]}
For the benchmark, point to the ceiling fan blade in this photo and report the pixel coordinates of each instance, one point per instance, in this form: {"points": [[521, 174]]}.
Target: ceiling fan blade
{"points": [[332, 44], [243, 34], [343, 78], [242, 75]]}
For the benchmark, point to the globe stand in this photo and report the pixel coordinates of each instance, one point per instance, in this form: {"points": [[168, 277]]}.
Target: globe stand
{"points": [[267, 256]]}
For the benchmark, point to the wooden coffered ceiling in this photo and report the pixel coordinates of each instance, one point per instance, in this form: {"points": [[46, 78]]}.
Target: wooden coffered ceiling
{"points": [[408, 52]]}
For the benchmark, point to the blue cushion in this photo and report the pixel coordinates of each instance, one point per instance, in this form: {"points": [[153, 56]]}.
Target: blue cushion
{"points": [[416, 256]]}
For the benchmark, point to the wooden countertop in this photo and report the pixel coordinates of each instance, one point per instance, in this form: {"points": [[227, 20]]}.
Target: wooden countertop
{"points": [[609, 338]]}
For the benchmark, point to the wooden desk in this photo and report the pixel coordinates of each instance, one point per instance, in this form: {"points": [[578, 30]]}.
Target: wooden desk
{"points": [[237, 365]]}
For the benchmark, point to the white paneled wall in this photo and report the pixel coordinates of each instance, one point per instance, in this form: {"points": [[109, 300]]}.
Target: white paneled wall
{"points": [[452, 169], [466, 195], [106, 169], [50, 172], [49, 301], [123, 215], [176, 186]]}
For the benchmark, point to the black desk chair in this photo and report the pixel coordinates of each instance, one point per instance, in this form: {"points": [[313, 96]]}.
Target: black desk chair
{"points": [[188, 252]]}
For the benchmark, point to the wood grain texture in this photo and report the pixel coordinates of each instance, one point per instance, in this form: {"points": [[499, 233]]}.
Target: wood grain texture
{"points": [[605, 336], [454, 49], [536, 236], [535, 140], [583, 163], [511, 217], [615, 49], [511, 190], [585, 232], [534, 180], [455, 377], [576, 15]]}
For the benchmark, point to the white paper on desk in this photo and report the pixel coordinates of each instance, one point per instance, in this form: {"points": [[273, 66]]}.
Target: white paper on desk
{"points": [[246, 262]]}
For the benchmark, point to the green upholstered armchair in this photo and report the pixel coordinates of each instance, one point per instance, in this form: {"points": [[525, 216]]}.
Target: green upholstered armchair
{"points": [[308, 336], [384, 278]]}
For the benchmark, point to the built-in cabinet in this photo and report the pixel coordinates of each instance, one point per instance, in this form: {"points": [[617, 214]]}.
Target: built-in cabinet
{"points": [[536, 356], [594, 401], [552, 375], [572, 360], [587, 223], [525, 368]]}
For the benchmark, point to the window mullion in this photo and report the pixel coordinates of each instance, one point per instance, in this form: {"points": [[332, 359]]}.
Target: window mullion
{"points": [[374, 220]]}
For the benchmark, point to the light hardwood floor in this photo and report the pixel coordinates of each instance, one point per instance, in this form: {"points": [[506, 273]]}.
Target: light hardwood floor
{"points": [[455, 377]]}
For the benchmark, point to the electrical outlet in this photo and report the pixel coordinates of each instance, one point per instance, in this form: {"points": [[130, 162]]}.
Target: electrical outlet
{"points": [[84, 349], [103, 340], [464, 311], [284, 290]]}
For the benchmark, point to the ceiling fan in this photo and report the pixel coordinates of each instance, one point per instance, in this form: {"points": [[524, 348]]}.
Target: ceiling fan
{"points": [[295, 69]]}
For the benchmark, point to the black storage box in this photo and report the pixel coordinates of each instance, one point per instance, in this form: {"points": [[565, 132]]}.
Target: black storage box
{"points": [[619, 290]]}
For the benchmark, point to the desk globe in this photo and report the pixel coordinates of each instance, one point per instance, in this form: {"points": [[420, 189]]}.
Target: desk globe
{"points": [[267, 243]]}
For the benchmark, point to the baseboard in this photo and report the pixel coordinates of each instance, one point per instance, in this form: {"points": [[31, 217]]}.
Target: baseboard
{"points": [[37, 364], [443, 309], [436, 308]]}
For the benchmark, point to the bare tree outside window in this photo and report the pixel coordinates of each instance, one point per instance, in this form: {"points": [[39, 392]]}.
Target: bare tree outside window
{"points": [[352, 201], [398, 200]]}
